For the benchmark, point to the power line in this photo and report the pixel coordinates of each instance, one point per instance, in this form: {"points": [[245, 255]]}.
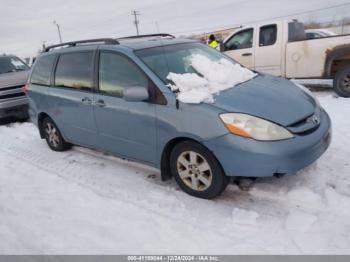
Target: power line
{"points": [[223, 27], [136, 22], [226, 26], [299, 13]]}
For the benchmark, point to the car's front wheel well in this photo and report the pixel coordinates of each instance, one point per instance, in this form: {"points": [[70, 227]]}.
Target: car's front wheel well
{"points": [[165, 159], [336, 59]]}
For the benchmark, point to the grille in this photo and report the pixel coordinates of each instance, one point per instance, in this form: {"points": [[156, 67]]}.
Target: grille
{"points": [[307, 125], [11, 92], [12, 95]]}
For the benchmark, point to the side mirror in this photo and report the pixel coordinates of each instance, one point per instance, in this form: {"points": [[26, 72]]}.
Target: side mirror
{"points": [[136, 94]]}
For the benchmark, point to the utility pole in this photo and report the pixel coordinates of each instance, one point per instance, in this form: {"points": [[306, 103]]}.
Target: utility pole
{"points": [[43, 45], [59, 31], [157, 26], [136, 22]]}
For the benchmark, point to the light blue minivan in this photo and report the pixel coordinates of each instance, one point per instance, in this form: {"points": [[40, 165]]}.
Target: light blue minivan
{"points": [[113, 95]]}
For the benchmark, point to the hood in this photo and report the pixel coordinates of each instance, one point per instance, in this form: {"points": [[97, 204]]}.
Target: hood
{"points": [[13, 79], [268, 97]]}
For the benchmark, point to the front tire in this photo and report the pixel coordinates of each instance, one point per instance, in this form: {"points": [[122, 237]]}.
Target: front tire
{"points": [[197, 171], [53, 136], [342, 82]]}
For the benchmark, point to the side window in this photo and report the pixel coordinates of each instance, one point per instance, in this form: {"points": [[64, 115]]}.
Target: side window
{"points": [[74, 70], [268, 35], [241, 40], [312, 35], [116, 73], [296, 31], [42, 70]]}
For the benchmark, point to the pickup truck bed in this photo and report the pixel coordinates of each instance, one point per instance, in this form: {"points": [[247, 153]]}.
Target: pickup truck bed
{"points": [[306, 59]]}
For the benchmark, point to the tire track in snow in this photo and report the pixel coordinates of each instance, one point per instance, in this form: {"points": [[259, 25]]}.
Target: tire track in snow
{"points": [[67, 165], [95, 171]]}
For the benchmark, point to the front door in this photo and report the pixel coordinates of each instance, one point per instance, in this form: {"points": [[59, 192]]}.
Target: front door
{"points": [[124, 128], [70, 98], [240, 47]]}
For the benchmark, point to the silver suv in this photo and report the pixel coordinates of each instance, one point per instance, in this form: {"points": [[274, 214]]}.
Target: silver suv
{"points": [[13, 76]]}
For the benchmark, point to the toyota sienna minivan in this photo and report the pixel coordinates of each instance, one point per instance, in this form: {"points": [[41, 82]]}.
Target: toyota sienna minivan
{"points": [[201, 121]]}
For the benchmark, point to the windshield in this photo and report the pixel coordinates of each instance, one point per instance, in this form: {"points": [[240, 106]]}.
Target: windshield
{"points": [[194, 71], [177, 58], [10, 64]]}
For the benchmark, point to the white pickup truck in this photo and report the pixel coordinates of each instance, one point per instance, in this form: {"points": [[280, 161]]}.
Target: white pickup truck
{"points": [[280, 48]]}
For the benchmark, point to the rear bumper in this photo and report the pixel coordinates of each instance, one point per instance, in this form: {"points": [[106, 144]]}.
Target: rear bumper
{"points": [[251, 158], [14, 108]]}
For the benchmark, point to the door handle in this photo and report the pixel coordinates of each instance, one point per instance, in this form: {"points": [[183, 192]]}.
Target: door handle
{"points": [[247, 54], [86, 100], [100, 103]]}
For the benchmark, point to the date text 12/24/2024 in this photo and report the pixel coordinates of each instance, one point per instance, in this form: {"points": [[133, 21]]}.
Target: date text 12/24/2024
{"points": [[173, 258]]}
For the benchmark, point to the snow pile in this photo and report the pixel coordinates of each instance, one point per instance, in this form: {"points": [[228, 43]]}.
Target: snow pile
{"points": [[215, 76]]}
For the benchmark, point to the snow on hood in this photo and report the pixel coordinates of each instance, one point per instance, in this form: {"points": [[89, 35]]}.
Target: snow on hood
{"points": [[215, 76]]}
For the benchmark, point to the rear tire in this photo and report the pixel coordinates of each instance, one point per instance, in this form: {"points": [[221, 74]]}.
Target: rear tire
{"points": [[197, 171], [342, 82], [53, 136]]}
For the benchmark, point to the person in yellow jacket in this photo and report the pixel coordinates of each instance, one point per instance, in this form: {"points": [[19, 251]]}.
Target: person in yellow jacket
{"points": [[212, 42]]}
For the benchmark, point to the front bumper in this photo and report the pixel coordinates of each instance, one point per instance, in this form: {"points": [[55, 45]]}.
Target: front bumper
{"points": [[14, 108], [251, 158]]}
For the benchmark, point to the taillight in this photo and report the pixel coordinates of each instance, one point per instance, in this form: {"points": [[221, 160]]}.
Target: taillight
{"points": [[25, 88]]}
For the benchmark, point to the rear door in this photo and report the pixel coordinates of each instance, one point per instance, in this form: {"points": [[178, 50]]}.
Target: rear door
{"points": [[40, 83], [124, 128], [240, 47], [268, 52], [71, 97]]}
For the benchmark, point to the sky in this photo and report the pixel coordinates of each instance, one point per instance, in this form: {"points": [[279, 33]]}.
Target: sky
{"points": [[25, 24]]}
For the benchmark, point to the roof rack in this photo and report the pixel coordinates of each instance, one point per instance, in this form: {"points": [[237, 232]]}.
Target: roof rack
{"points": [[108, 41], [144, 36]]}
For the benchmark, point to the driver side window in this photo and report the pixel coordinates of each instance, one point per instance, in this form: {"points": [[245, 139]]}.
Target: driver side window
{"points": [[241, 40], [117, 73]]}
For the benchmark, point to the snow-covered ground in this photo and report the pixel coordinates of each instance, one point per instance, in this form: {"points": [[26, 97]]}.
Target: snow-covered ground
{"points": [[322, 83], [83, 201]]}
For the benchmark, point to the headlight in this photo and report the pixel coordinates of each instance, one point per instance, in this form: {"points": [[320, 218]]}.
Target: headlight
{"points": [[254, 127]]}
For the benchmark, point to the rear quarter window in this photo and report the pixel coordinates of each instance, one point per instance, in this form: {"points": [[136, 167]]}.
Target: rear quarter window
{"points": [[42, 70]]}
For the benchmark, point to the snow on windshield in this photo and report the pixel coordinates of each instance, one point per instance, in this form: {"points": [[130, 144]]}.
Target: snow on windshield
{"points": [[212, 77]]}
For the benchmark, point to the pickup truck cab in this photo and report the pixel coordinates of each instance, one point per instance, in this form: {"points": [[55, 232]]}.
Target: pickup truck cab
{"points": [[281, 48]]}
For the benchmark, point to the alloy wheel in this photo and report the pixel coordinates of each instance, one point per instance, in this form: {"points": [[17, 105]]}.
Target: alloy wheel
{"points": [[194, 170], [52, 135]]}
